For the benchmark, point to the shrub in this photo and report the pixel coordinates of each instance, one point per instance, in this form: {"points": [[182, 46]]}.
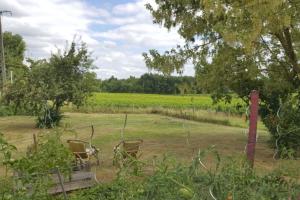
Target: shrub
{"points": [[34, 169], [231, 179], [5, 111], [49, 118], [288, 128]]}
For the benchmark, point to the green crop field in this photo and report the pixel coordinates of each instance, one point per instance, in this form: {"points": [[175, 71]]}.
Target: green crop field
{"points": [[204, 102]]}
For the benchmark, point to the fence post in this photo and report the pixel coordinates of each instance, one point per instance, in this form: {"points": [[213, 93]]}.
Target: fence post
{"points": [[35, 142], [254, 100], [61, 183]]}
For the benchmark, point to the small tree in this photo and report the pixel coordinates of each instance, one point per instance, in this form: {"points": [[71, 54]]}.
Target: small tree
{"points": [[49, 84]]}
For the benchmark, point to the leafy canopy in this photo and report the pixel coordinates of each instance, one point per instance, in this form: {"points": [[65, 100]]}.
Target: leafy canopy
{"points": [[14, 50], [235, 46], [49, 84]]}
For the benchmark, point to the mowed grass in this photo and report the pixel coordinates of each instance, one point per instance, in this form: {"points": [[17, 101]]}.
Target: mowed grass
{"points": [[121, 100], [178, 138], [193, 107]]}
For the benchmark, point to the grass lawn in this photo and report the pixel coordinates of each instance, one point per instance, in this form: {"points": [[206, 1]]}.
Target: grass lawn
{"points": [[161, 135]]}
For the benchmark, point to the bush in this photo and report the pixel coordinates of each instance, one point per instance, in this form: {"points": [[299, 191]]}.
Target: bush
{"points": [[5, 111], [49, 118], [34, 170], [288, 130], [230, 179]]}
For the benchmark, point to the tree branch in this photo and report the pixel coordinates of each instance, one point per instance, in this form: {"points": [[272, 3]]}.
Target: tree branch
{"points": [[279, 61], [286, 42], [290, 50]]}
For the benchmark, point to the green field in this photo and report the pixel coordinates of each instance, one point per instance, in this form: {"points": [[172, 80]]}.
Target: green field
{"points": [[123, 100]]}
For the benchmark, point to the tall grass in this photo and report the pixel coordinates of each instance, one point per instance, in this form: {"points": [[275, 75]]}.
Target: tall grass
{"points": [[225, 179]]}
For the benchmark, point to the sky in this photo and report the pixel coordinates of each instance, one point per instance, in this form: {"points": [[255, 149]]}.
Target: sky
{"points": [[117, 32]]}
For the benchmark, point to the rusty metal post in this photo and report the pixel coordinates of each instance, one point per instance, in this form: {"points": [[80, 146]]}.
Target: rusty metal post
{"points": [[254, 100]]}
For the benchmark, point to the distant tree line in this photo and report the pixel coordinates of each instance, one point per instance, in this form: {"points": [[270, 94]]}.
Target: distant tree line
{"points": [[151, 83]]}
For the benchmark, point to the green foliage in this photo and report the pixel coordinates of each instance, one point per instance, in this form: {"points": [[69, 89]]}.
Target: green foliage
{"points": [[50, 153], [15, 47], [127, 164], [49, 118], [34, 170], [6, 188], [288, 131], [230, 179], [5, 111], [235, 47], [49, 84], [120, 189], [151, 84], [6, 151], [226, 178]]}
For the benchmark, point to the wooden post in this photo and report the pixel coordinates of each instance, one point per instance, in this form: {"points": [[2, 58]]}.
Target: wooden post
{"points": [[122, 130], [61, 183], [34, 142], [11, 77], [254, 100]]}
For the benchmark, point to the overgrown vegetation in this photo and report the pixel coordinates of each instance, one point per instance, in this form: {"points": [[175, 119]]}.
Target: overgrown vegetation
{"points": [[288, 130], [32, 173], [230, 179]]}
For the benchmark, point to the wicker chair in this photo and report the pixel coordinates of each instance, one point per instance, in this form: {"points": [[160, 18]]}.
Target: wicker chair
{"points": [[126, 149], [83, 151]]}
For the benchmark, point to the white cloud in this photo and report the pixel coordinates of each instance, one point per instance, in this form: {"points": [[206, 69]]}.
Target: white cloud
{"points": [[46, 24], [125, 9], [143, 34], [117, 37]]}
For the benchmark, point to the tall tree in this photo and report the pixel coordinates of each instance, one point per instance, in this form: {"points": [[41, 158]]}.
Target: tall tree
{"points": [[237, 46], [49, 84], [14, 49]]}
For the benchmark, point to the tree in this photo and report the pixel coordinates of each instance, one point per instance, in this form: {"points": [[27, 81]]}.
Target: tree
{"points": [[148, 83], [14, 49], [49, 84], [236, 46]]}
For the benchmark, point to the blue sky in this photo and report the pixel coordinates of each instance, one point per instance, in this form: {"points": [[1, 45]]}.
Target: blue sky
{"points": [[107, 3], [116, 31]]}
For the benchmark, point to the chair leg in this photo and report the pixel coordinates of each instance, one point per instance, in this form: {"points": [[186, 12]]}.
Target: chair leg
{"points": [[88, 166], [97, 158]]}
